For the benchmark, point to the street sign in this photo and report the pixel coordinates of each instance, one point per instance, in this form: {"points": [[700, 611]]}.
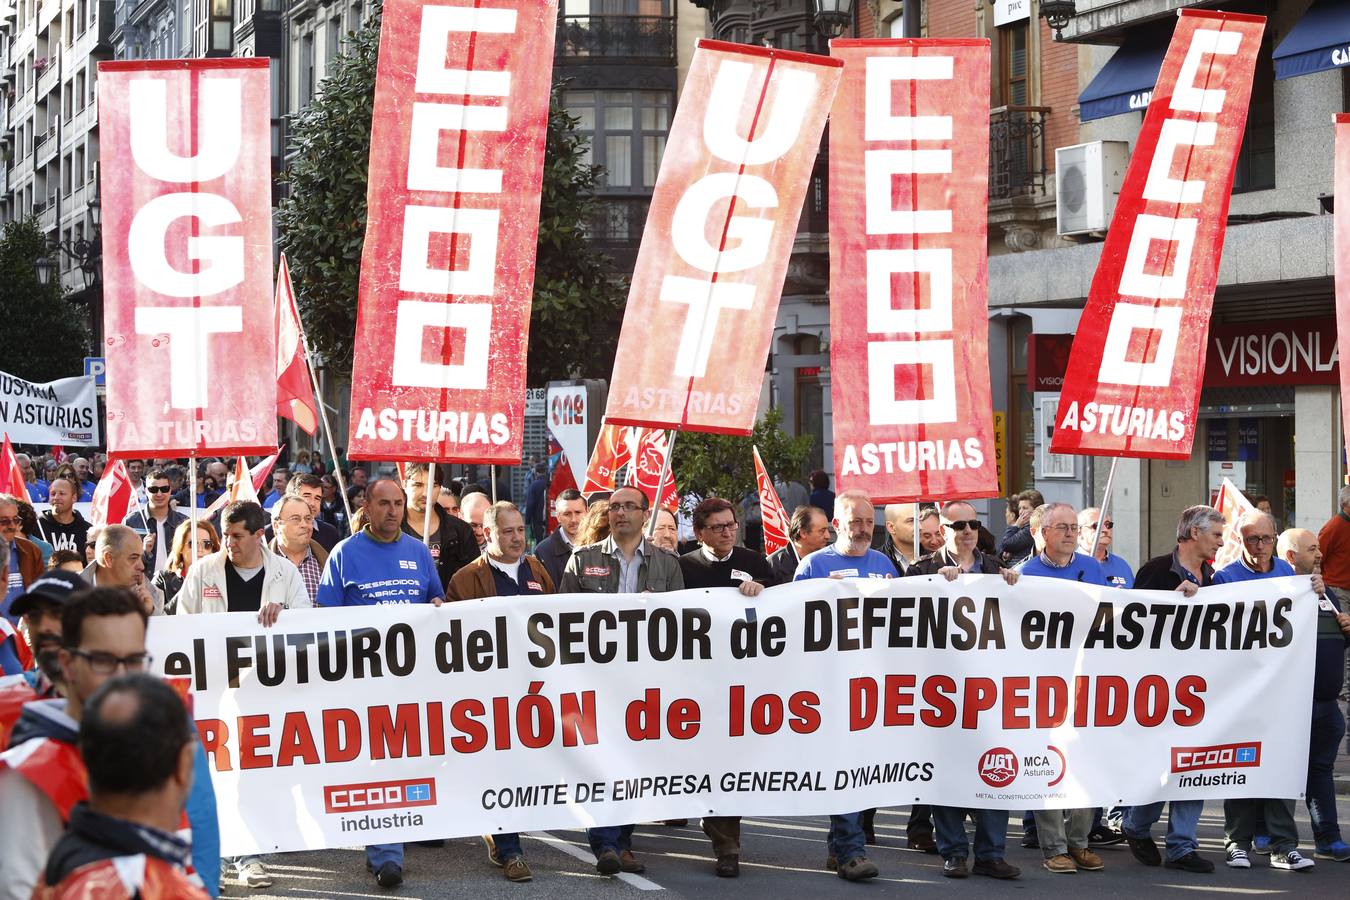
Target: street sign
{"points": [[98, 367]]}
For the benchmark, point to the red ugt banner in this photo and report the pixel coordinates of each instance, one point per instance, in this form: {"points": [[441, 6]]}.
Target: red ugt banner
{"points": [[1342, 250], [715, 251], [909, 291], [1135, 372], [771, 511], [456, 165], [187, 256]]}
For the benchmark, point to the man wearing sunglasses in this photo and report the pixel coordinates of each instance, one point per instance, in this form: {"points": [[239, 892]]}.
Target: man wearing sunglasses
{"points": [[158, 521], [42, 775], [1094, 539]]}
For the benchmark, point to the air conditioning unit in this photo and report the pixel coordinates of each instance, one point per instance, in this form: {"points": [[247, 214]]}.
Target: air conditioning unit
{"points": [[1087, 181]]}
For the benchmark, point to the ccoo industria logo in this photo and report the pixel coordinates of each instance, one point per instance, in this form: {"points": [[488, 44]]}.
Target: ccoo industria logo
{"points": [[376, 795]]}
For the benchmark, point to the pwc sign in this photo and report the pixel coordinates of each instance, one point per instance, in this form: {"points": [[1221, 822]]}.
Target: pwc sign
{"points": [[447, 273], [715, 250], [1138, 361], [909, 289], [187, 256]]}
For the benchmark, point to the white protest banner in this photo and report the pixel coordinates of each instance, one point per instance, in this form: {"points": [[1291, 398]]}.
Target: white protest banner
{"points": [[363, 725], [63, 412]]}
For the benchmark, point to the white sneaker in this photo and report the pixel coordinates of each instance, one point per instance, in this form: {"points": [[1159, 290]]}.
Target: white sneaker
{"points": [[1237, 859], [1293, 861]]}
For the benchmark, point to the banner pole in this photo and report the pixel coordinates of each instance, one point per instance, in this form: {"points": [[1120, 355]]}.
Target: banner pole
{"points": [[192, 501], [428, 502], [492, 473], [917, 546], [1106, 505], [326, 425], [661, 482]]}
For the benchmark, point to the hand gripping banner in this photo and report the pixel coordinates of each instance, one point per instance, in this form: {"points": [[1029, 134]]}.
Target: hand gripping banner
{"points": [[1137, 364], [187, 256], [376, 724], [909, 289], [447, 274], [715, 250]]}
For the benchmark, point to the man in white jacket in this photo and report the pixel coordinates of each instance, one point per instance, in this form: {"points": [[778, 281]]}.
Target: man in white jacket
{"points": [[245, 576]]}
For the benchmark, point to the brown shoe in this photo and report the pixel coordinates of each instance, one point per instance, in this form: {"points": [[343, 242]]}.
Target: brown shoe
{"points": [[628, 863], [1061, 865], [1087, 860], [515, 869]]}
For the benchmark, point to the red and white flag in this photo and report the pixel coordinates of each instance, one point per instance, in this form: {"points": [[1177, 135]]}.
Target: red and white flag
{"points": [[612, 453], [295, 391], [770, 509], [1341, 245], [447, 274], [1137, 364], [721, 226], [112, 497], [245, 484], [1233, 504], [12, 481], [650, 456], [186, 182], [909, 290]]}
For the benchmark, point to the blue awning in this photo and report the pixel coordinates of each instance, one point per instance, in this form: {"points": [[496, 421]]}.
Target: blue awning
{"points": [[1125, 83], [1320, 41]]}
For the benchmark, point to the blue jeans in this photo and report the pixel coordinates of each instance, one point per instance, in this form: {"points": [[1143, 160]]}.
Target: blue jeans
{"points": [[610, 837], [1328, 726], [508, 845], [846, 840], [379, 854], [991, 832], [1183, 818]]}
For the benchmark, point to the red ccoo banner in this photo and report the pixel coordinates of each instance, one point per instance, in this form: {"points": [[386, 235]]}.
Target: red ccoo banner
{"points": [[447, 275], [187, 256], [909, 289], [715, 251], [1342, 260], [1135, 372]]}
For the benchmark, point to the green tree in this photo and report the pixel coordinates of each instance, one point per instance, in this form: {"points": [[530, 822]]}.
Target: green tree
{"points": [[44, 335], [722, 465], [577, 298]]}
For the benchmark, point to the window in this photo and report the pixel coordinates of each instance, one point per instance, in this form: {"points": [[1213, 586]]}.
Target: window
{"points": [[1014, 89], [334, 43], [627, 132], [306, 68], [1256, 159]]}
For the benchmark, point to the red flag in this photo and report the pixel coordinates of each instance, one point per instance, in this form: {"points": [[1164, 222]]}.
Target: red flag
{"points": [[295, 392], [112, 496], [770, 509], [613, 451], [1135, 372], [909, 300], [719, 234], [447, 274], [1342, 261], [11, 475], [187, 218], [649, 458], [245, 484]]}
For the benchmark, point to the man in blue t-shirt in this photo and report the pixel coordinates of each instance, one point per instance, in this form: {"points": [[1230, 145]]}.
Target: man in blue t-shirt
{"points": [[850, 556], [380, 564], [1094, 539]]}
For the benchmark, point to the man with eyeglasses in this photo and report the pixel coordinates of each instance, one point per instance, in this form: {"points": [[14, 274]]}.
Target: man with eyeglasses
{"points": [[308, 488], [718, 562], [245, 576], [158, 521], [42, 775], [1242, 818], [623, 563], [293, 530], [850, 556], [25, 559], [1094, 539]]}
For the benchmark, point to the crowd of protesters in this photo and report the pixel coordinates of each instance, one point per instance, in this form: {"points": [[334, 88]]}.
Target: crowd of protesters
{"points": [[77, 603]]}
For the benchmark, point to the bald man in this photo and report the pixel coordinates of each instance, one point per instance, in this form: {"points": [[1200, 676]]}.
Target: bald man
{"points": [[119, 561], [471, 509]]}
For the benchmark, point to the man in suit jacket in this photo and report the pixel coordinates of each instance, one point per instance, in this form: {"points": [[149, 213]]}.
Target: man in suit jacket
{"points": [[555, 550]]}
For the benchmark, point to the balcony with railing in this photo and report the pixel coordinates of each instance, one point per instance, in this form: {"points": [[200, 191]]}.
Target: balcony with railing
{"points": [[1017, 152], [617, 225], [630, 40]]}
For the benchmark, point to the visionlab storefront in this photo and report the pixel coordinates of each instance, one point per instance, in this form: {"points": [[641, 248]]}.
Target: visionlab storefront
{"points": [[1269, 421]]}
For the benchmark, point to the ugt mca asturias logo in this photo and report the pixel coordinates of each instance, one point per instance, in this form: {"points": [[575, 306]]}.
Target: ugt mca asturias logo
{"points": [[1000, 766]]}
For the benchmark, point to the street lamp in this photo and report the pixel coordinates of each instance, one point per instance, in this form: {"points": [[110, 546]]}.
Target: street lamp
{"points": [[44, 267], [1057, 14], [833, 17], [87, 254]]}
